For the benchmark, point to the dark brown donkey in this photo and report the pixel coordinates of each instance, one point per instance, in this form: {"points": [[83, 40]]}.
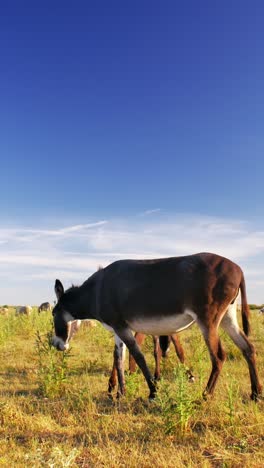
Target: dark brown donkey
{"points": [[161, 297], [161, 347]]}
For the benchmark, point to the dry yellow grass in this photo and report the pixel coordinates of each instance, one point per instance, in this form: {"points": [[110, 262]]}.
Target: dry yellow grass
{"points": [[72, 423]]}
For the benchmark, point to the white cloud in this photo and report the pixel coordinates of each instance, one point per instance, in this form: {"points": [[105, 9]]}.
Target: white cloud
{"points": [[150, 212], [34, 256], [24, 234]]}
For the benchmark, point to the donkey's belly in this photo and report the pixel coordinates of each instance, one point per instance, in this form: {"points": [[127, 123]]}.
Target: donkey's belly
{"points": [[162, 325]]}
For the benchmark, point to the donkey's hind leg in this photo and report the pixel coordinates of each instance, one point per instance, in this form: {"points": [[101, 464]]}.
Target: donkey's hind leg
{"points": [[230, 325], [209, 330], [217, 355]]}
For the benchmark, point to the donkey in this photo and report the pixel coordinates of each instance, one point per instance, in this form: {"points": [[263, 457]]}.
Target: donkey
{"points": [[44, 306], [24, 310], [161, 297], [161, 347]]}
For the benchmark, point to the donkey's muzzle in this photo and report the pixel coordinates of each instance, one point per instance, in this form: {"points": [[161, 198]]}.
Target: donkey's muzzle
{"points": [[59, 344]]}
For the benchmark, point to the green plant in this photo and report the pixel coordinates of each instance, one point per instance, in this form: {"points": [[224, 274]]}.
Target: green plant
{"points": [[254, 306], [52, 366], [177, 405], [132, 385], [232, 396], [9, 327]]}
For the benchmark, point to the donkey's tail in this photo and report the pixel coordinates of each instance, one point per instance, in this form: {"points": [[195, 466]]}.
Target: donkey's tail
{"points": [[244, 307], [164, 342]]}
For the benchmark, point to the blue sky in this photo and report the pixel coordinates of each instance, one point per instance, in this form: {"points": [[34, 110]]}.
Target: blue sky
{"points": [[128, 129]]}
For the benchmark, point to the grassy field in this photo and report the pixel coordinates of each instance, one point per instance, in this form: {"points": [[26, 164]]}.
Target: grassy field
{"points": [[55, 412]]}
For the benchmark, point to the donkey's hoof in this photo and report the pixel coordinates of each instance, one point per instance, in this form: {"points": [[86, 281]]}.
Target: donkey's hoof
{"points": [[120, 395], [111, 386], [256, 397], [157, 378]]}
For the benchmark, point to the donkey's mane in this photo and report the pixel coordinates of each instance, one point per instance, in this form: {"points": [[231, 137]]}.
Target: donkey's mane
{"points": [[72, 287], [75, 289], [70, 292]]}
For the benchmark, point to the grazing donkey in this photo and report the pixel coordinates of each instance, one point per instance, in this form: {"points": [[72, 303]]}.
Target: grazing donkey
{"points": [[161, 348], [161, 297], [44, 306], [24, 310]]}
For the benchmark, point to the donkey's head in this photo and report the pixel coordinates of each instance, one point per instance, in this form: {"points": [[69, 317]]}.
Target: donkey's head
{"points": [[65, 324]]}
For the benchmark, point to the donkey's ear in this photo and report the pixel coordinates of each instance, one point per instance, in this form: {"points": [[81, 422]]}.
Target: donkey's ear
{"points": [[99, 267], [59, 289]]}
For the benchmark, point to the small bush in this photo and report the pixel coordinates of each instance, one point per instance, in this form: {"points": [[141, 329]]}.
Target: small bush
{"points": [[132, 385], [8, 328], [177, 405], [52, 367], [254, 306]]}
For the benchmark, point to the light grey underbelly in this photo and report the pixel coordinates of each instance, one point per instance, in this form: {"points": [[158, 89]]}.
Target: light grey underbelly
{"points": [[163, 325]]}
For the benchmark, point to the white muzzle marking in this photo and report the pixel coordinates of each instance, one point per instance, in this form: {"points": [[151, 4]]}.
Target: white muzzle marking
{"points": [[73, 327]]}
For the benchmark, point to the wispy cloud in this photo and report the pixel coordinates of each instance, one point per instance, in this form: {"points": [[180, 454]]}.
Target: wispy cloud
{"points": [[34, 256], [81, 227], [150, 212], [20, 233]]}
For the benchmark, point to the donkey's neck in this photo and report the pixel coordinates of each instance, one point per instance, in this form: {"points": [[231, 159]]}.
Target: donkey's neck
{"points": [[87, 298]]}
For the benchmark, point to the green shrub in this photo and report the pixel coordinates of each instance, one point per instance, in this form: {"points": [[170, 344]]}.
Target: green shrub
{"points": [[177, 404], [52, 367], [255, 306]]}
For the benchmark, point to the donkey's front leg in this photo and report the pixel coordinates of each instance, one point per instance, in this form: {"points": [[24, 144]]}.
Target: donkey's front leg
{"points": [[119, 358], [112, 379], [126, 335], [140, 338]]}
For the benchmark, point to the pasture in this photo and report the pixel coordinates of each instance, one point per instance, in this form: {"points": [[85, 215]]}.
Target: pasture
{"points": [[55, 412]]}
